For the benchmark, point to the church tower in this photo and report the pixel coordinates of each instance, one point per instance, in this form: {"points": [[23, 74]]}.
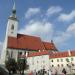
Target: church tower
{"points": [[11, 31], [12, 25]]}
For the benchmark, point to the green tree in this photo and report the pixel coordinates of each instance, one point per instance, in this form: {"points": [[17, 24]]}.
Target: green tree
{"points": [[11, 65], [22, 65]]}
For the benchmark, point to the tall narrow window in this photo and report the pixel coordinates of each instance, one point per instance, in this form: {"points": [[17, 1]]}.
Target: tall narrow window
{"points": [[20, 53], [52, 65], [12, 27], [57, 60], [11, 54], [72, 64], [25, 52], [62, 65], [61, 60], [51, 60], [71, 59], [58, 65], [67, 59]]}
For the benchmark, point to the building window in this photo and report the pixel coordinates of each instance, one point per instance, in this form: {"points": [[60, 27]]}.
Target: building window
{"points": [[72, 64], [67, 64], [62, 65], [67, 59], [57, 60], [61, 60], [12, 27], [11, 54], [58, 65], [52, 65], [51, 60], [71, 59], [37, 61], [25, 52], [7, 53], [20, 53]]}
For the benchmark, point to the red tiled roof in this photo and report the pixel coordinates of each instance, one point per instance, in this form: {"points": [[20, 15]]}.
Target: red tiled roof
{"points": [[25, 42], [49, 46], [54, 55], [73, 53], [35, 54], [12, 42], [29, 42], [59, 55], [62, 54], [38, 53]]}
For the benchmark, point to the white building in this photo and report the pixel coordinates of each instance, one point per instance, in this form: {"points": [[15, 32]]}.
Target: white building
{"points": [[62, 60], [37, 61]]}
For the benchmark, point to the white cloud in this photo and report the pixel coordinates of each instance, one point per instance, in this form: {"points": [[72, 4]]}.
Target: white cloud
{"points": [[1, 46], [42, 29], [31, 12], [45, 29], [71, 28], [67, 17], [53, 10], [61, 39], [66, 35]]}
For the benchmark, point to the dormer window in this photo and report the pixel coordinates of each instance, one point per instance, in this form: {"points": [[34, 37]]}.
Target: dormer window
{"points": [[12, 27]]}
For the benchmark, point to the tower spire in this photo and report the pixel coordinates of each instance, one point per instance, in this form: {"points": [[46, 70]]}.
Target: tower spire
{"points": [[14, 8], [51, 41], [13, 15]]}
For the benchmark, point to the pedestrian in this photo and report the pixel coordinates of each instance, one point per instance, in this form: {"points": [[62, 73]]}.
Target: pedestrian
{"points": [[64, 71], [34, 72], [49, 72]]}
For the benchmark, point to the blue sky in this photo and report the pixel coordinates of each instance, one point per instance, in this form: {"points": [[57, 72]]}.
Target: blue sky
{"points": [[48, 19]]}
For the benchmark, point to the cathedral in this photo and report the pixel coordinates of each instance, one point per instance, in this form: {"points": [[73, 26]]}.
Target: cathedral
{"points": [[39, 54], [15, 43]]}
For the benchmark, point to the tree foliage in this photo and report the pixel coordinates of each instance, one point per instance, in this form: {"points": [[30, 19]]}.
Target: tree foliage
{"points": [[22, 65], [11, 65]]}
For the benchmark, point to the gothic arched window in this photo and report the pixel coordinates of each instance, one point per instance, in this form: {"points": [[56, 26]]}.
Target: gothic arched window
{"points": [[12, 27]]}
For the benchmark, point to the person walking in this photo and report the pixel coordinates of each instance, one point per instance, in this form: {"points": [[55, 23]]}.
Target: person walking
{"points": [[64, 71], [49, 72]]}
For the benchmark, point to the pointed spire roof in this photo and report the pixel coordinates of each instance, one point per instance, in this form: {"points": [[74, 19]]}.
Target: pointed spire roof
{"points": [[51, 41], [13, 15], [14, 9]]}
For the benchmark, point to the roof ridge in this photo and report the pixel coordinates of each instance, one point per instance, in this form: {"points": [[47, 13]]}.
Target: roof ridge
{"points": [[28, 35]]}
